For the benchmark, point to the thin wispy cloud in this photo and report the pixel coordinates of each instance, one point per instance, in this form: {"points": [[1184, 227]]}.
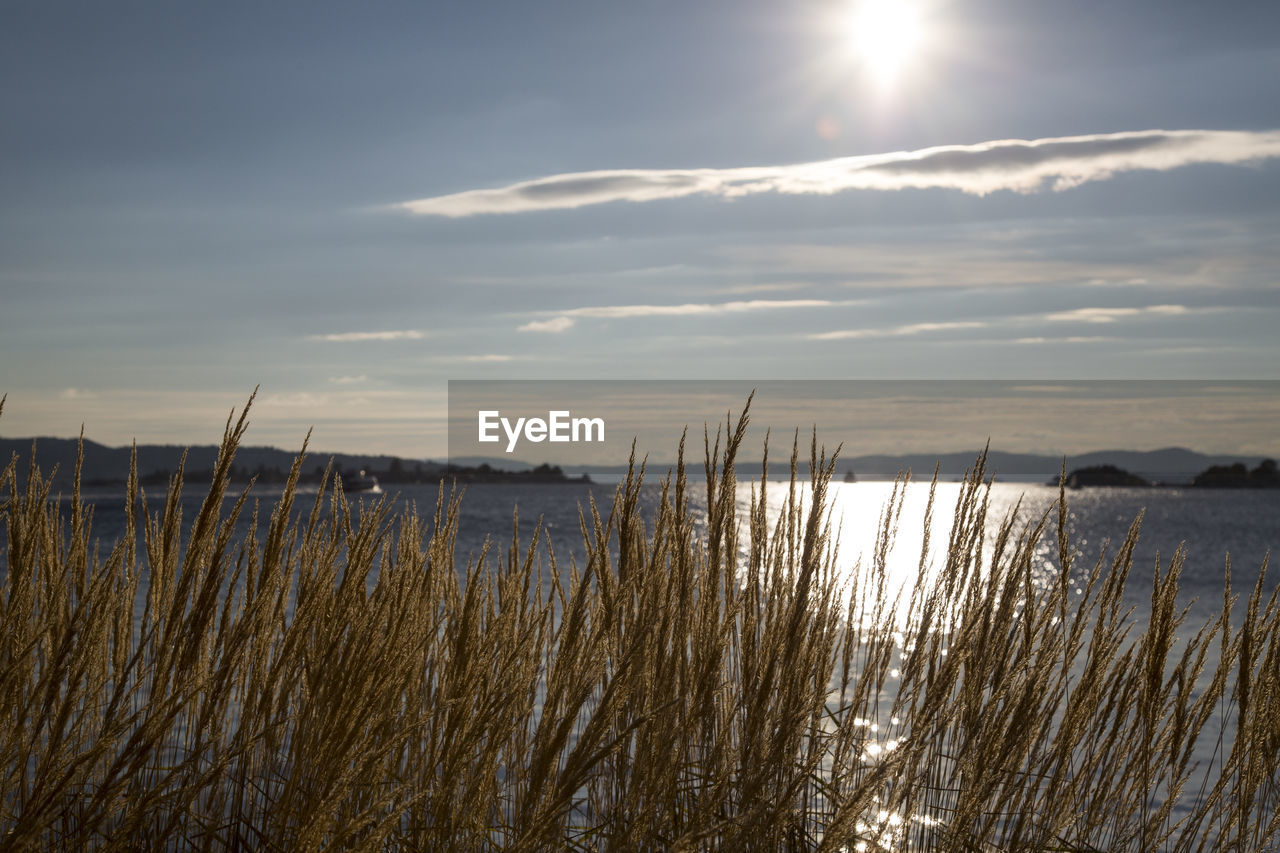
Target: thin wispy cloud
{"points": [[75, 394], [1078, 315], [769, 287], [354, 337], [693, 309], [1071, 339], [897, 331], [1110, 315], [1015, 165], [553, 326], [566, 319]]}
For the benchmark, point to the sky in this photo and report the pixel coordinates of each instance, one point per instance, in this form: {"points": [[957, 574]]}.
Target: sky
{"points": [[348, 205]]}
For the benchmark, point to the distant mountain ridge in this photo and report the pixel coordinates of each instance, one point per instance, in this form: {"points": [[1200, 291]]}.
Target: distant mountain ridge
{"points": [[1170, 464], [110, 465], [1167, 465]]}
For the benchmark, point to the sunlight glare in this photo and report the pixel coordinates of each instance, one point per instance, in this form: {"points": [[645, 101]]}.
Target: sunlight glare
{"points": [[886, 36]]}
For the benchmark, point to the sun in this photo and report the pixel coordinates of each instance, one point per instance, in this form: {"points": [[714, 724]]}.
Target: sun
{"points": [[887, 36]]}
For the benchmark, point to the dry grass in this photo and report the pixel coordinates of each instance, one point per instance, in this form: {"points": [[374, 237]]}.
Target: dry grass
{"points": [[342, 683]]}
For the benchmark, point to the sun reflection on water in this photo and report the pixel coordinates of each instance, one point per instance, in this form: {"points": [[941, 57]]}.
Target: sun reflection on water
{"points": [[905, 528], [913, 544]]}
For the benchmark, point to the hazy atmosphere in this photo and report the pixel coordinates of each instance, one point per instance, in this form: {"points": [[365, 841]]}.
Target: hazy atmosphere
{"points": [[350, 205]]}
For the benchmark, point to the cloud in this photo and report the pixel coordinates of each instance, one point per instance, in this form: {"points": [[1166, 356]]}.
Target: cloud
{"points": [[1017, 165], [348, 380], [1110, 315], [771, 287], [553, 326], [1078, 315], [297, 399], [565, 319], [692, 309], [897, 331], [1073, 339], [352, 337]]}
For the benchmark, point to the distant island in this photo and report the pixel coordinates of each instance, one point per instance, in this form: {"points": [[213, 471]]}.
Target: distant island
{"points": [[1100, 475], [483, 473], [1234, 476], [1238, 476]]}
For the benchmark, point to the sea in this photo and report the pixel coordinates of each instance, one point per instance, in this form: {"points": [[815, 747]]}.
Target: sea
{"points": [[1209, 527]]}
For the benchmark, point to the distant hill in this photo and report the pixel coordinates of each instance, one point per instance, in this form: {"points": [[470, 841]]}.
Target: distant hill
{"points": [[1099, 475], [1238, 476], [1169, 465], [110, 465]]}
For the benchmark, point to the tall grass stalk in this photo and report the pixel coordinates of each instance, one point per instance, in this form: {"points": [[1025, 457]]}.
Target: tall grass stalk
{"points": [[691, 681]]}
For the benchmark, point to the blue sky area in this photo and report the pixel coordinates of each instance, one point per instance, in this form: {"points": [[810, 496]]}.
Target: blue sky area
{"points": [[349, 204]]}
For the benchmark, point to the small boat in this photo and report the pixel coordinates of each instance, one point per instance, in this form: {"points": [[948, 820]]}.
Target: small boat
{"points": [[362, 482]]}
